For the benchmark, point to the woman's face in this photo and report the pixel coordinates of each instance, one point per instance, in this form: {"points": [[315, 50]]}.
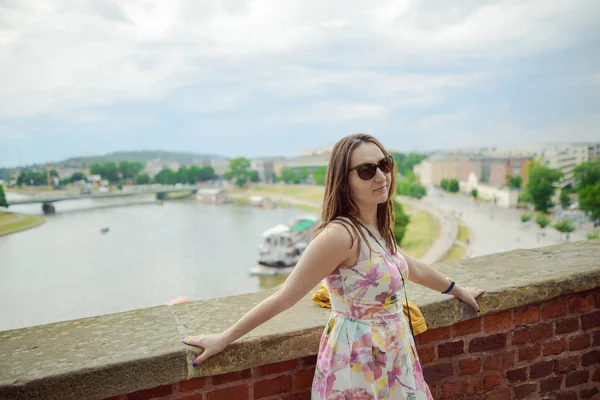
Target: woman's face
{"points": [[372, 191]]}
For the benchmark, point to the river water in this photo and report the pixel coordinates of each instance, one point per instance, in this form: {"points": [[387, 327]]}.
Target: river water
{"points": [[67, 269]]}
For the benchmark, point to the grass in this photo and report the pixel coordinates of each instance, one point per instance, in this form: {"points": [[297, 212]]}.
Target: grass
{"points": [[10, 223], [301, 192], [420, 234], [463, 234], [456, 253]]}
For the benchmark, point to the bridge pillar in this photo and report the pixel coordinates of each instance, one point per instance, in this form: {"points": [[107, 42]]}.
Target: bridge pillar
{"points": [[48, 208]]}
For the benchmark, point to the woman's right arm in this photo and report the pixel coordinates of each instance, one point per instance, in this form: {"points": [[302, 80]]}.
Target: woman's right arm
{"points": [[331, 248]]}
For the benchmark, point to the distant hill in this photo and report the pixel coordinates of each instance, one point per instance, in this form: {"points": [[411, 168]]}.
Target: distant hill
{"points": [[141, 156]]}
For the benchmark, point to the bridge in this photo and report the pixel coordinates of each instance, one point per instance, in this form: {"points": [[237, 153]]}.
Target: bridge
{"points": [[48, 207]]}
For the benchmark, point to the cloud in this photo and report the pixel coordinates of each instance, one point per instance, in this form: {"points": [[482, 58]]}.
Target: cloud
{"points": [[330, 112], [442, 120]]}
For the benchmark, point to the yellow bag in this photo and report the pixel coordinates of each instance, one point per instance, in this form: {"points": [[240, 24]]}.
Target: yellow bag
{"points": [[321, 298]]}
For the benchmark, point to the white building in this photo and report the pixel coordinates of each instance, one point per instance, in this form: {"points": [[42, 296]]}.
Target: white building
{"points": [[565, 157], [265, 168]]}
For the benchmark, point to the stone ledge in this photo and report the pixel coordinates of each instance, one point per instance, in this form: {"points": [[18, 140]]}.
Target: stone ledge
{"points": [[103, 356]]}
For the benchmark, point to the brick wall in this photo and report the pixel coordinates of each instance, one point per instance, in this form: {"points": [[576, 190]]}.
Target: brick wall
{"points": [[540, 351]]}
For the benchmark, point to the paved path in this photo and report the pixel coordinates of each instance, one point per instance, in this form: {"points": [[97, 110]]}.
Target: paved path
{"points": [[495, 229]]}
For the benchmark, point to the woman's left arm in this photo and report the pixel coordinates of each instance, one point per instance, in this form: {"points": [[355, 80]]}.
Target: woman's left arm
{"points": [[423, 274]]}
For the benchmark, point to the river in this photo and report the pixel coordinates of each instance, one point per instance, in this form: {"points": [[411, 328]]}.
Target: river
{"points": [[67, 269]]}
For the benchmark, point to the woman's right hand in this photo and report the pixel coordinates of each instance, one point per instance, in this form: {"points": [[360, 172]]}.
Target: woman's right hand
{"points": [[211, 344]]}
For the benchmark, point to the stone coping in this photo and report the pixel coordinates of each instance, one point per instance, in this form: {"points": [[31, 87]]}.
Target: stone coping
{"points": [[102, 356]]}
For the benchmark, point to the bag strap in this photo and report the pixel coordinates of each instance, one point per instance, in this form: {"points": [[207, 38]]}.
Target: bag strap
{"points": [[399, 270]]}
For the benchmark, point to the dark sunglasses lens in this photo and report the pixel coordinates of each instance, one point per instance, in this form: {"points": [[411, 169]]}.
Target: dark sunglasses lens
{"points": [[366, 171], [386, 164]]}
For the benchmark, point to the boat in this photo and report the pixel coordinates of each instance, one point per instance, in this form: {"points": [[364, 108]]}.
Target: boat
{"points": [[283, 245]]}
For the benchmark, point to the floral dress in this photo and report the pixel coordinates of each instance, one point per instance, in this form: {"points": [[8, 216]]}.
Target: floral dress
{"points": [[367, 350]]}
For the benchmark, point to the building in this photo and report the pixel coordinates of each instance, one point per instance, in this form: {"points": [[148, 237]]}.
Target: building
{"points": [[492, 170], [265, 168], [565, 157], [436, 167], [310, 162], [212, 195]]}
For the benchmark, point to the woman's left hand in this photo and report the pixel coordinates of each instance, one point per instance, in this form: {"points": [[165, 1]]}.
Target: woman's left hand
{"points": [[468, 295]]}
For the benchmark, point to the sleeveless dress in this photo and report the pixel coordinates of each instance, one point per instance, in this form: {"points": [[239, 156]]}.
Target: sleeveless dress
{"points": [[367, 351]]}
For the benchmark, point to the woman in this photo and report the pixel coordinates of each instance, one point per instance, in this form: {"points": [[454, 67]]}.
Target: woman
{"points": [[366, 351]]}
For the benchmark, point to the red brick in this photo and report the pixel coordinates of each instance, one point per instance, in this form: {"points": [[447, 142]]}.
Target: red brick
{"points": [[516, 375], [454, 390], [590, 320], [498, 394], [575, 378], [526, 315], [567, 364], [192, 384], [524, 390], [485, 343], [541, 369], [487, 381], [541, 331], [451, 349], [567, 325], [303, 379], [529, 353], [596, 377], [590, 358], [309, 361], [550, 384], [298, 396], [239, 392], [466, 327], [159, 391], [118, 397], [427, 354], [581, 303], [270, 369], [597, 298], [588, 393], [273, 386], [499, 361], [435, 372], [554, 348], [566, 395], [469, 366], [596, 338], [231, 377], [554, 308], [434, 335], [195, 396], [498, 322], [520, 336], [579, 342]]}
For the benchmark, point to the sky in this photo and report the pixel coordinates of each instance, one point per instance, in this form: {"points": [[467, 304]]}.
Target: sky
{"points": [[270, 77]]}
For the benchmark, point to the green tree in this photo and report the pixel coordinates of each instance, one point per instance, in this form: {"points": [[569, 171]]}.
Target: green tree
{"points": [[32, 178], [592, 235], [254, 177], [444, 184], [587, 181], [514, 182], [474, 193], [182, 175], [542, 220], [3, 202], [453, 186], [565, 200], [303, 175], [525, 218], [76, 176], [564, 226], [289, 175], [401, 220], [165, 177], [319, 175], [107, 170], [129, 170], [406, 161], [239, 171], [542, 185], [142, 179]]}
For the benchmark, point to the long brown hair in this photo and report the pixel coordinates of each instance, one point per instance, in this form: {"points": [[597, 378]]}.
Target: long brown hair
{"points": [[338, 203]]}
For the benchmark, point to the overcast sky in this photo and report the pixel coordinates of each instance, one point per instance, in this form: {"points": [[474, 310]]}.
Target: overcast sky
{"points": [[270, 77]]}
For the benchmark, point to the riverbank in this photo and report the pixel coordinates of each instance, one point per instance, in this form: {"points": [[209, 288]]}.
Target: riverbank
{"points": [[12, 223], [421, 233]]}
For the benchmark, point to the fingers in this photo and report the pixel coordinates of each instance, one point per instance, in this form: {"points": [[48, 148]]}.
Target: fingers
{"points": [[192, 340], [201, 358]]}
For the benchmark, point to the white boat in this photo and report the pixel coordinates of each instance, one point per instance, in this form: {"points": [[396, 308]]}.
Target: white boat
{"points": [[284, 244]]}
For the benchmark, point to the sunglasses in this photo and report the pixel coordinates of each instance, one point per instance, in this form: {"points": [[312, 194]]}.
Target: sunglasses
{"points": [[367, 171]]}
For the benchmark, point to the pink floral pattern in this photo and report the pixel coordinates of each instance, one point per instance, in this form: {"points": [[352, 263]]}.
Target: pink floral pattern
{"points": [[366, 350]]}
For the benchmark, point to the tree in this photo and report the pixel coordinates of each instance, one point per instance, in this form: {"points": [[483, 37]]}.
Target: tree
{"points": [[76, 176], [3, 202], [587, 181], [303, 174], [564, 226], [444, 183], [453, 186], [565, 200], [525, 218], [408, 186], [107, 170], [319, 175], [165, 177], [542, 220], [142, 179], [401, 220], [406, 161], [541, 186], [239, 171], [514, 182], [474, 193], [129, 170], [32, 178], [254, 177]]}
